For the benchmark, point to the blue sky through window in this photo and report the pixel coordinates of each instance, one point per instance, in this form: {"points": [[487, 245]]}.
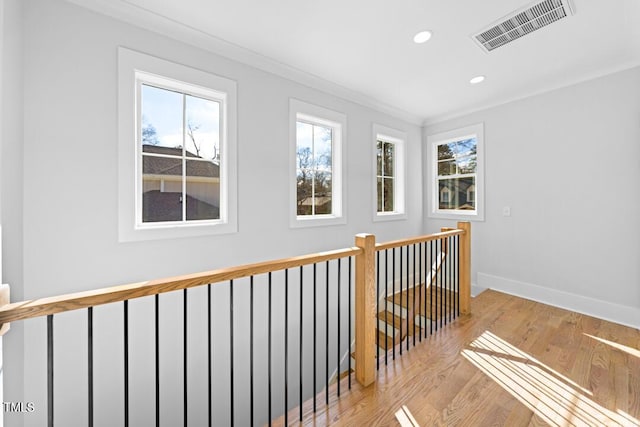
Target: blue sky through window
{"points": [[163, 109]]}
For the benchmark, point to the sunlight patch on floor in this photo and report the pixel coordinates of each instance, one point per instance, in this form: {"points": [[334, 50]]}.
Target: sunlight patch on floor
{"points": [[630, 350], [550, 395], [405, 418]]}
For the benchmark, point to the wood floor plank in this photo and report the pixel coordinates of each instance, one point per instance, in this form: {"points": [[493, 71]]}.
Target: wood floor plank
{"points": [[511, 362]]}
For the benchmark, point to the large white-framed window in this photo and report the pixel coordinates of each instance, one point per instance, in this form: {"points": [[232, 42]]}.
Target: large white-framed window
{"points": [[456, 173], [390, 159], [176, 149], [317, 160]]}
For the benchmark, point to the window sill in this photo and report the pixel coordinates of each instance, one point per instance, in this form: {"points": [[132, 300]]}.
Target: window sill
{"points": [[389, 216], [457, 215], [167, 231], [317, 221]]}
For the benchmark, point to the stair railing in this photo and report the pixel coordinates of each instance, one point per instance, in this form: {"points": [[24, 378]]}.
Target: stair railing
{"points": [[308, 270]]}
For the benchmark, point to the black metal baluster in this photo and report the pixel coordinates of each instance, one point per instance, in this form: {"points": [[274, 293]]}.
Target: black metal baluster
{"points": [[50, 370], [400, 302], [300, 355], [349, 340], [377, 310], [393, 306], [251, 371], [338, 346], [458, 275], [386, 301], [427, 279], [326, 330], [315, 331], [231, 361], [209, 357], [420, 289], [442, 261], [184, 356], [413, 313], [450, 279], [157, 356], [407, 297], [433, 277], [126, 363], [453, 278], [286, 347], [90, 365], [443, 283], [269, 350]]}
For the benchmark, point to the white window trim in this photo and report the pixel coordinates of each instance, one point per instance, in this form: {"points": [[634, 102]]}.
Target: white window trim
{"points": [[338, 121], [433, 141], [131, 67], [398, 138]]}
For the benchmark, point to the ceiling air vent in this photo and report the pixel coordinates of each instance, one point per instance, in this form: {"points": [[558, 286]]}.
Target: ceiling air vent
{"points": [[522, 22]]}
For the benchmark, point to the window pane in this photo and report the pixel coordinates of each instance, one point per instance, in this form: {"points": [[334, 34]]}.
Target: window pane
{"points": [[322, 147], [446, 151], [203, 190], [467, 164], [161, 117], [388, 195], [389, 150], [466, 147], [379, 158], [380, 195], [304, 147], [161, 189], [447, 167], [453, 193], [202, 129], [322, 196], [304, 188]]}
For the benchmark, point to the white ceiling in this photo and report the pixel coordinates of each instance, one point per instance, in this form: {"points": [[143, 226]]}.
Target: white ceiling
{"points": [[366, 45]]}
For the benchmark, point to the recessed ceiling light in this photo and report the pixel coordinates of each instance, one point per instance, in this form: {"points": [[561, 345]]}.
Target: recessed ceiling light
{"points": [[476, 80], [422, 36]]}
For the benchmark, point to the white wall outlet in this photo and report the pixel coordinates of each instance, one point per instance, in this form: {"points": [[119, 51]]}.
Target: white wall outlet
{"points": [[506, 211]]}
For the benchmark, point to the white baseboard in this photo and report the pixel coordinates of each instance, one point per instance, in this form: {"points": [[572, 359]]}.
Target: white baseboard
{"points": [[476, 290], [622, 314]]}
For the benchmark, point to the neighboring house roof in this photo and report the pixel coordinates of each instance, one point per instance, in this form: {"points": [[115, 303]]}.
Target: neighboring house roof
{"points": [[160, 206], [153, 165]]}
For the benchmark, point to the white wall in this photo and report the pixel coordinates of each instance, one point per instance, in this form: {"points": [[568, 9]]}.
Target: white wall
{"points": [[566, 162], [11, 139], [70, 240]]}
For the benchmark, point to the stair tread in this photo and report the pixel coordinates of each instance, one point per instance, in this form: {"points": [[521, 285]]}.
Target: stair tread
{"points": [[390, 318], [389, 340], [406, 299]]}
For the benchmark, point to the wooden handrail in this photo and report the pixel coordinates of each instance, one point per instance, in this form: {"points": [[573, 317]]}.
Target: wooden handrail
{"points": [[51, 305], [4, 301], [58, 304], [419, 239]]}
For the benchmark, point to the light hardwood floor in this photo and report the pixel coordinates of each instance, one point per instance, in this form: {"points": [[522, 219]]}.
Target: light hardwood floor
{"points": [[512, 362]]}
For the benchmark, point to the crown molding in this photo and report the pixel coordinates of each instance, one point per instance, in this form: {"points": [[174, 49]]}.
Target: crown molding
{"points": [[149, 20], [582, 79]]}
